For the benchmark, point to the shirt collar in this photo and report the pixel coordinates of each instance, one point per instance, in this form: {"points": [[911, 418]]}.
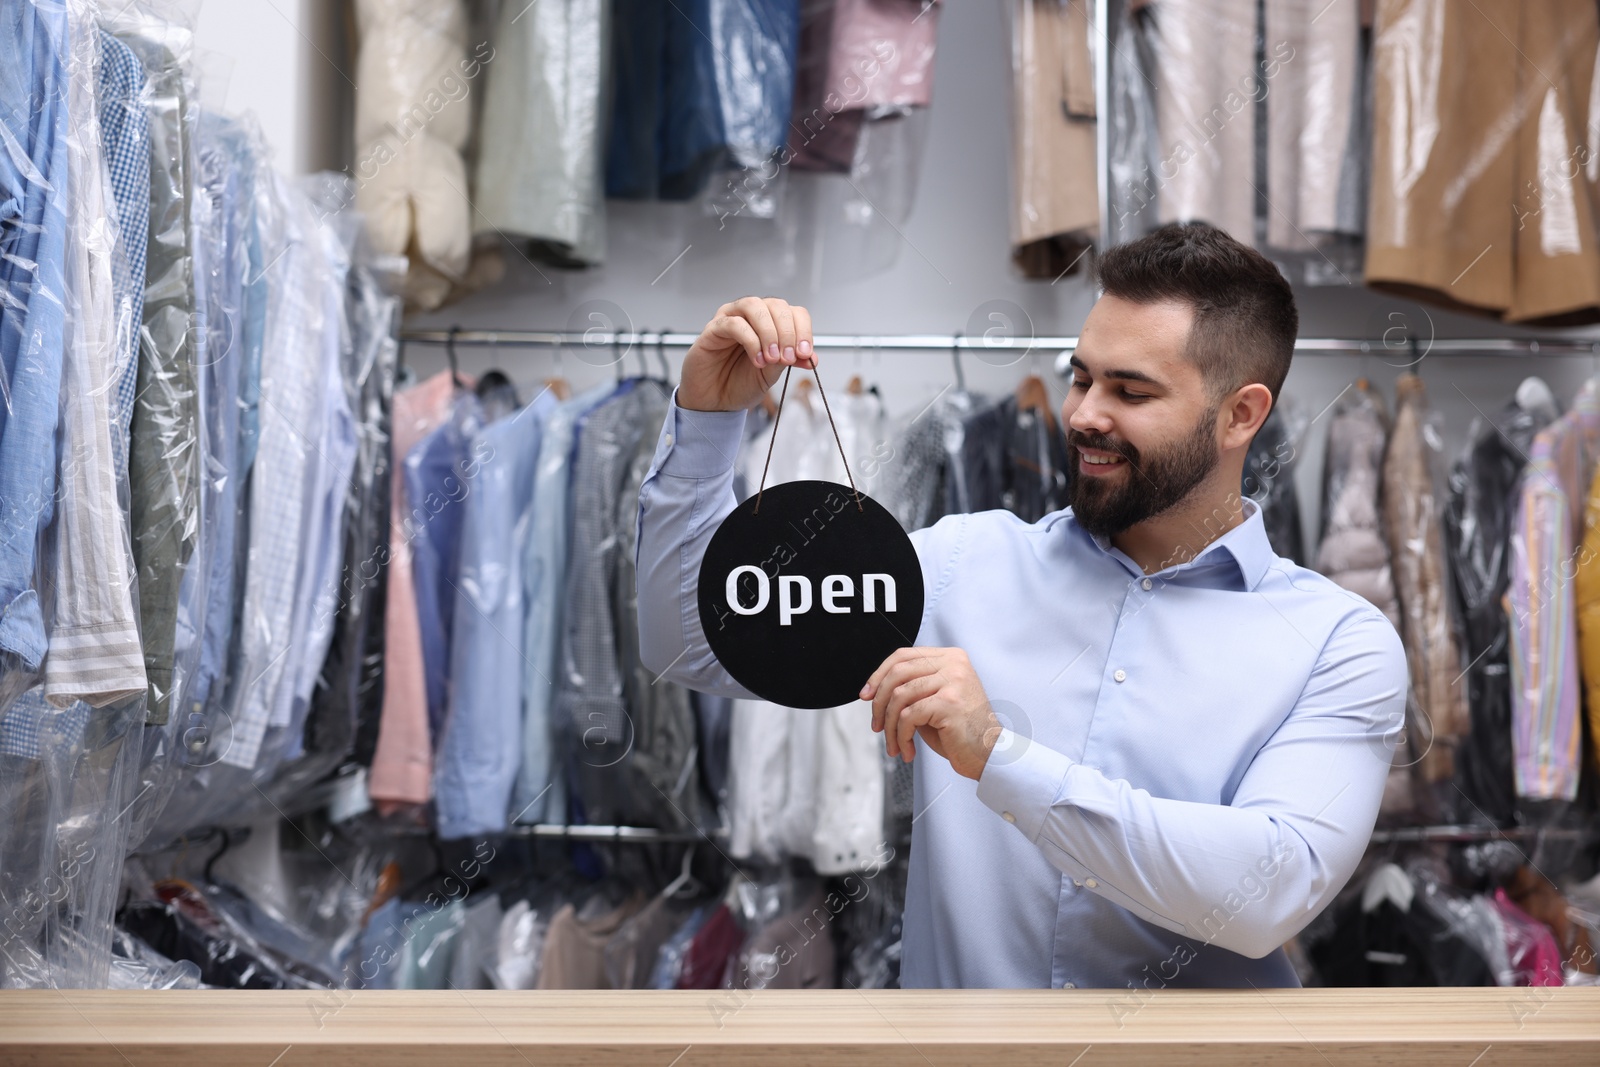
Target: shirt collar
{"points": [[1246, 546]]}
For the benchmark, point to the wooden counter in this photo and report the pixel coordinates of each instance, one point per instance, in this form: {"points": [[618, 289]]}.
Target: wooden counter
{"points": [[1091, 1028]]}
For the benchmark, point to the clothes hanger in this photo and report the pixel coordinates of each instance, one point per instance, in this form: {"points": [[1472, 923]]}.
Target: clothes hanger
{"points": [[853, 387], [1388, 881], [686, 884], [450, 354], [387, 889], [1033, 395], [955, 359], [495, 388], [661, 354], [558, 384]]}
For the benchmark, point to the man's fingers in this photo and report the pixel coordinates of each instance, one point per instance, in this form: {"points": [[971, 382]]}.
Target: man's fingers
{"points": [[899, 655], [783, 318], [738, 330], [914, 664], [898, 730], [805, 343], [755, 311], [911, 718]]}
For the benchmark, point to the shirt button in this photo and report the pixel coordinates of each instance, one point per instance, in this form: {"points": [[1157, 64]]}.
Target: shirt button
{"points": [[1147, 583], [1068, 985], [1121, 676], [669, 445], [1091, 883], [1076, 882], [1008, 817]]}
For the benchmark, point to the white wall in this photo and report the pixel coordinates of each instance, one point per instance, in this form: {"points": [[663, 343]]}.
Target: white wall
{"points": [[955, 259], [283, 61]]}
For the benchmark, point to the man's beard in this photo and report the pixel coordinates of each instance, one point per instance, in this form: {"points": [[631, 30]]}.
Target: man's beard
{"points": [[1152, 485]]}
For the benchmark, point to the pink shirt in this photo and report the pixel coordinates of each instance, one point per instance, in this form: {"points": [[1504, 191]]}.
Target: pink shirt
{"points": [[882, 53], [402, 765]]}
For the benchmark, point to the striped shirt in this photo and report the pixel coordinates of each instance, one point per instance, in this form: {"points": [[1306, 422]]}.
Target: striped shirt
{"points": [[1539, 602]]}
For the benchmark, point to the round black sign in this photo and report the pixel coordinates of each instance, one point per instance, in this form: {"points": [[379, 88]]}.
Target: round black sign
{"points": [[804, 599]]}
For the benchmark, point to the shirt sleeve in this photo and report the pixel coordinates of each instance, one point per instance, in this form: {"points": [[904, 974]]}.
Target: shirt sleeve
{"points": [[683, 499], [1247, 875]]}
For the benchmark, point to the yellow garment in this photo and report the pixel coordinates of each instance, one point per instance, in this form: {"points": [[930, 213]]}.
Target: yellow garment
{"points": [[1587, 592]]}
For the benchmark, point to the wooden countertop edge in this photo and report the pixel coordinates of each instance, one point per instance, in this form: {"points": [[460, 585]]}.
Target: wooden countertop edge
{"points": [[1555, 1017]]}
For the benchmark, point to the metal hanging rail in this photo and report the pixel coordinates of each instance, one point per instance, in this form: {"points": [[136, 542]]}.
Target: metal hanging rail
{"points": [[1471, 834], [932, 342]]}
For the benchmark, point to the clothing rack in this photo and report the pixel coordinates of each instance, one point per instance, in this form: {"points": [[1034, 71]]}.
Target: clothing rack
{"points": [[643, 835], [1455, 346], [638, 835], [1468, 834]]}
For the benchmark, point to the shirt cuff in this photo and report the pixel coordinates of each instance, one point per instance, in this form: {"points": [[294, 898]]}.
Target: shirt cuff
{"points": [[1022, 780], [698, 444]]}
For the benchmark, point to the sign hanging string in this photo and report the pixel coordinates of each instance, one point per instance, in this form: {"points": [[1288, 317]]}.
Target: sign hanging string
{"points": [[774, 438]]}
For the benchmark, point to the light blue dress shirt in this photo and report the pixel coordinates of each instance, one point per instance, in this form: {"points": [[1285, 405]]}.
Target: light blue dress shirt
{"points": [[540, 791], [33, 224], [481, 747], [1192, 760]]}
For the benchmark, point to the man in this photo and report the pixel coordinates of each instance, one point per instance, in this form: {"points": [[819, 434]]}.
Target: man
{"points": [[1147, 750]]}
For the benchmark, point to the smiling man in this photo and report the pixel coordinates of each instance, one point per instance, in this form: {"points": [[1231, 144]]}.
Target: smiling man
{"points": [[1148, 750]]}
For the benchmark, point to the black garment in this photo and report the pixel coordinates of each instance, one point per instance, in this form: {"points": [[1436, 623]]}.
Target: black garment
{"points": [[1269, 481], [666, 117], [222, 961], [1390, 947], [349, 699], [1014, 459], [714, 715], [1477, 526]]}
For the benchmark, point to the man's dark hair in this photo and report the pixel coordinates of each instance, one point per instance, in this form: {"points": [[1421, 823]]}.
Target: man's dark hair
{"points": [[1244, 315]]}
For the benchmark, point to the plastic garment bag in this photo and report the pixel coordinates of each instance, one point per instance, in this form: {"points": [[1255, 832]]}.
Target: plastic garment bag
{"points": [[1206, 85], [755, 72], [135, 965], [1545, 696], [1311, 80], [1269, 479], [824, 127], [345, 715], [215, 763], [414, 75], [65, 766], [167, 441], [34, 110], [1135, 168], [539, 168], [1354, 547], [1411, 518], [1478, 109], [666, 121], [1478, 524], [1353, 550], [1016, 458], [1055, 206]]}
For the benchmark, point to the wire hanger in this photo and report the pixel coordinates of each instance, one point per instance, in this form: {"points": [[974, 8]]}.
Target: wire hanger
{"points": [[661, 354], [955, 360], [450, 354], [686, 884], [557, 383]]}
